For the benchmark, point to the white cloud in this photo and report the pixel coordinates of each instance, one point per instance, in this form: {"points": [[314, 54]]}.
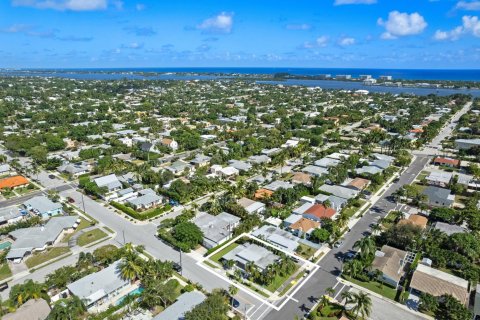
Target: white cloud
{"points": [[73, 5], [470, 25], [346, 41], [468, 5], [320, 42], [221, 23], [303, 26], [133, 45], [343, 2], [401, 24], [140, 7]]}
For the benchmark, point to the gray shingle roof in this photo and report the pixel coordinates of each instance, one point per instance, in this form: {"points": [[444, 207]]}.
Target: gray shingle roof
{"points": [[95, 286], [42, 204], [184, 303], [28, 239]]}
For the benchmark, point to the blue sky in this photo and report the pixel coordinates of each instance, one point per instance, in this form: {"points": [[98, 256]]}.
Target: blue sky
{"points": [[240, 33]]}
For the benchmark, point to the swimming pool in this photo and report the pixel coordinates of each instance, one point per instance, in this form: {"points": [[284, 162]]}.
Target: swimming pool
{"points": [[5, 245], [131, 293]]}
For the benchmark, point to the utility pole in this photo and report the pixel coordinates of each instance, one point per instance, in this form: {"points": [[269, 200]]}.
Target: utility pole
{"points": [[83, 204], [123, 232], [181, 266]]}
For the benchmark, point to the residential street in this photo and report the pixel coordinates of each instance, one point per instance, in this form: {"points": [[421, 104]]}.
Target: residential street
{"points": [[331, 264]]}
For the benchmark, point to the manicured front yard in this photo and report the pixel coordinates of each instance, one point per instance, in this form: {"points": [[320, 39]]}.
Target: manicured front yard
{"points": [[44, 256], [350, 211], [5, 271], [305, 251], [90, 236], [279, 280], [83, 224], [217, 256], [374, 286]]}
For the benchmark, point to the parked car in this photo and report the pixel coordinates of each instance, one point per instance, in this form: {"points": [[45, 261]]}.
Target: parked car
{"points": [[177, 267], [70, 200], [51, 176]]}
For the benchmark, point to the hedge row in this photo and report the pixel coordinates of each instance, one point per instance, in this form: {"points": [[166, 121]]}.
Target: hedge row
{"points": [[138, 215]]}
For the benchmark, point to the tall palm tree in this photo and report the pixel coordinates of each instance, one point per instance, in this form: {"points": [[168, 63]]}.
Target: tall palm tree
{"points": [[129, 268], [366, 246], [363, 305], [347, 297]]}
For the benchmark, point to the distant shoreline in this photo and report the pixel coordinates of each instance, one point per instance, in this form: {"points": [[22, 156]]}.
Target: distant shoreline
{"points": [[460, 75]]}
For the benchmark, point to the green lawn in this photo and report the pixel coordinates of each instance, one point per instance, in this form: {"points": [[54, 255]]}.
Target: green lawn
{"points": [[420, 188], [24, 190], [375, 286], [44, 256], [217, 256], [305, 251], [90, 236], [5, 271], [279, 280], [350, 211], [83, 224]]}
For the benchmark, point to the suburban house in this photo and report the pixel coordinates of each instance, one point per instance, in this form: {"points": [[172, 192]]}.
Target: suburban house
{"points": [[172, 144], [149, 147], [336, 203], [317, 212], [200, 160], [216, 229], [278, 237], [43, 206], [251, 253], [263, 193], [241, 166], [260, 159], [110, 182], [13, 182], [10, 215], [101, 287], [359, 184], [439, 178], [439, 197], [301, 178], [186, 302], [75, 169], [179, 167], [392, 263], [146, 201], [426, 279], [251, 206], [315, 170], [278, 184], [327, 162], [465, 144], [32, 239], [339, 191], [415, 220], [33, 309], [448, 229], [5, 169], [303, 226], [448, 162]]}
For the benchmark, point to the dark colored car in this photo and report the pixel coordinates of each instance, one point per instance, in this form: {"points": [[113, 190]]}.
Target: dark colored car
{"points": [[51, 176], [70, 200], [177, 267]]}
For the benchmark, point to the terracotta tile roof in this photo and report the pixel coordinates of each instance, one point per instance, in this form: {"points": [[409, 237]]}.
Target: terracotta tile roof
{"points": [[12, 182], [263, 193], [416, 220], [450, 161], [435, 282], [359, 183], [167, 141], [304, 225], [320, 211], [416, 130]]}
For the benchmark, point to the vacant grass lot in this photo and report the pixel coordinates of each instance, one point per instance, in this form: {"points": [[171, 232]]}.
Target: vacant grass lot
{"points": [[91, 236], [375, 286], [83, 224], [279, 280], [44, 256]]}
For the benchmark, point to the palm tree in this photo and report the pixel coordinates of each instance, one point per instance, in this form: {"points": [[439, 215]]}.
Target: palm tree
{"points": [[363, 305], [347, 297], [232, 290], [330, 291], [366, 246], [129, 268]]}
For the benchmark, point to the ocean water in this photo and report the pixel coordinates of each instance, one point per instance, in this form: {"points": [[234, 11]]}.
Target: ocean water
{"points": [[406, 74]]}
